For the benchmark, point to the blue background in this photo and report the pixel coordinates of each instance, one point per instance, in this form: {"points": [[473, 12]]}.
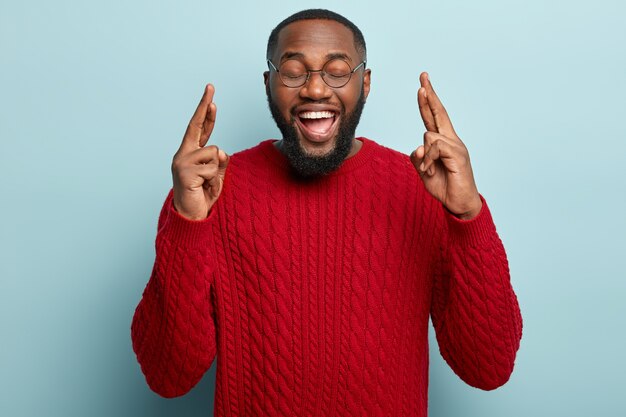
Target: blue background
{"points": [[95, 97]]}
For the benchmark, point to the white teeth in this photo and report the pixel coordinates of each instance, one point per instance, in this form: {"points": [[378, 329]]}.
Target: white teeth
{"points": [[316, 115]]}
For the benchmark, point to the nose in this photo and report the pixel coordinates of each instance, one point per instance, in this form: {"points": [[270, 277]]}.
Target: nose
{"points": [[315, 87]]}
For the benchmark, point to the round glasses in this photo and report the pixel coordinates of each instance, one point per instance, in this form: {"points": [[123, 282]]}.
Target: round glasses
{"points": [[336, 73]]}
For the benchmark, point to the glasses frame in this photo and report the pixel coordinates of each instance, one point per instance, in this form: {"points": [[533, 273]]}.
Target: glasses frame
{"points": [[271, 66]]}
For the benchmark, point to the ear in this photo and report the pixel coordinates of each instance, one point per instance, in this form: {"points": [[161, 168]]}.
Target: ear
{"points": [[367, 76], [266, 80]]}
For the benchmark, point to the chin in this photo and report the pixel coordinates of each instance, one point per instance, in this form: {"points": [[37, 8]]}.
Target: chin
{"points": [[317, 150], [324, 148]]}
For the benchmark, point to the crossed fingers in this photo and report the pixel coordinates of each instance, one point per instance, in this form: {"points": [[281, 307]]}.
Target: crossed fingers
{"points": [[440, 140]]}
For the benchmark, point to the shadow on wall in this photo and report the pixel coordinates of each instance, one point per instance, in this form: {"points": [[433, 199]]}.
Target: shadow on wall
{"points": [[118, 387], [196, 403]]}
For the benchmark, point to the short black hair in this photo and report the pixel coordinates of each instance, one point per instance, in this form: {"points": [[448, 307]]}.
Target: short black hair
{"points": [[315, 14]]}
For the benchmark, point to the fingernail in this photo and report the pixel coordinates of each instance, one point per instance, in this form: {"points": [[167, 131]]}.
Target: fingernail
{"points": [[422, 166]]}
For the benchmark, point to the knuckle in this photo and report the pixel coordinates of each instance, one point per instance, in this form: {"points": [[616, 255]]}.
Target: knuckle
{"points": [[176, 164], [210, 152], [211, 170], [179, 161]]}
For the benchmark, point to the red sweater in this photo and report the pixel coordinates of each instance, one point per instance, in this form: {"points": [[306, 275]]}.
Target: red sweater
{"points": [[315, 296]]}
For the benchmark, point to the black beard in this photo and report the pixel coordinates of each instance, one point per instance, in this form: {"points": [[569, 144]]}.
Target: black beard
{"points": [[311, 166]]}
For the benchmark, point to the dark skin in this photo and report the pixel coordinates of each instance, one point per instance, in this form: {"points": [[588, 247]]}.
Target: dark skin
{"points": [[198, 170], [442, 161], [313, 42]]}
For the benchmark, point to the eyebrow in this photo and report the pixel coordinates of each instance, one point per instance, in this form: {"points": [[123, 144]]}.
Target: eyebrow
{"points": [[338, 55], [332, 55]]}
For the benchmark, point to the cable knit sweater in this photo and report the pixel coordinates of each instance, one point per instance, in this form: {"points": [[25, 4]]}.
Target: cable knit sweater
{"points": [[315, 295]]}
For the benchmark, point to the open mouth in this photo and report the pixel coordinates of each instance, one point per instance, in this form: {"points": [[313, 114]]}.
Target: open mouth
{"points": [[317, 126]]}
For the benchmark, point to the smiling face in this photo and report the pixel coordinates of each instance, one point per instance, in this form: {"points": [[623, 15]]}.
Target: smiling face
{"points": [[317, 121]]}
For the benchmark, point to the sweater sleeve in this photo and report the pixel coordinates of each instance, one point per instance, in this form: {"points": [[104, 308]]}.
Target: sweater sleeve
{"points": [[474, 309], [173, 328]]}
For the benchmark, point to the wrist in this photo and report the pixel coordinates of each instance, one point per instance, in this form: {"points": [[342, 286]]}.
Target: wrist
{"points": [[196, 216], [471, 212], [183, 231]]}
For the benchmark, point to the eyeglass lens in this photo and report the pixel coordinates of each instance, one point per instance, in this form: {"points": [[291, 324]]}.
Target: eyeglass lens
{"points": [[336, 73]]}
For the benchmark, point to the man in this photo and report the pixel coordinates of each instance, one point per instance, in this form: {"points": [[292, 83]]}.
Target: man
{"points": [[310, 265]]}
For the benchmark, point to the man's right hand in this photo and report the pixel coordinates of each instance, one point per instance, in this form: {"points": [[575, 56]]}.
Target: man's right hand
{"points": [[198, 171]]}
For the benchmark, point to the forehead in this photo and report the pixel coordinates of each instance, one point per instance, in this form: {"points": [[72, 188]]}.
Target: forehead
{"points": [[316, 39]]}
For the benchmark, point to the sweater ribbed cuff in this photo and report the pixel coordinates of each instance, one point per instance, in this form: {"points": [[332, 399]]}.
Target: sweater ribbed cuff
{"points": [[185, 232], [473, 232]]}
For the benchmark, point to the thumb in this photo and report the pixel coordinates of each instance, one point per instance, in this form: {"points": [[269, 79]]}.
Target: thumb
{"points": [[223, 159], [417, 157]]}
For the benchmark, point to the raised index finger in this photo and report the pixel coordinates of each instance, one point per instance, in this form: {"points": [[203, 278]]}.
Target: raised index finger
{"points": [[202, 122], [442, 120]]}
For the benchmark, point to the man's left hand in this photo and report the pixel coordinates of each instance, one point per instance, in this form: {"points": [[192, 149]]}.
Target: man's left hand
{"points": [[443, 161]]}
